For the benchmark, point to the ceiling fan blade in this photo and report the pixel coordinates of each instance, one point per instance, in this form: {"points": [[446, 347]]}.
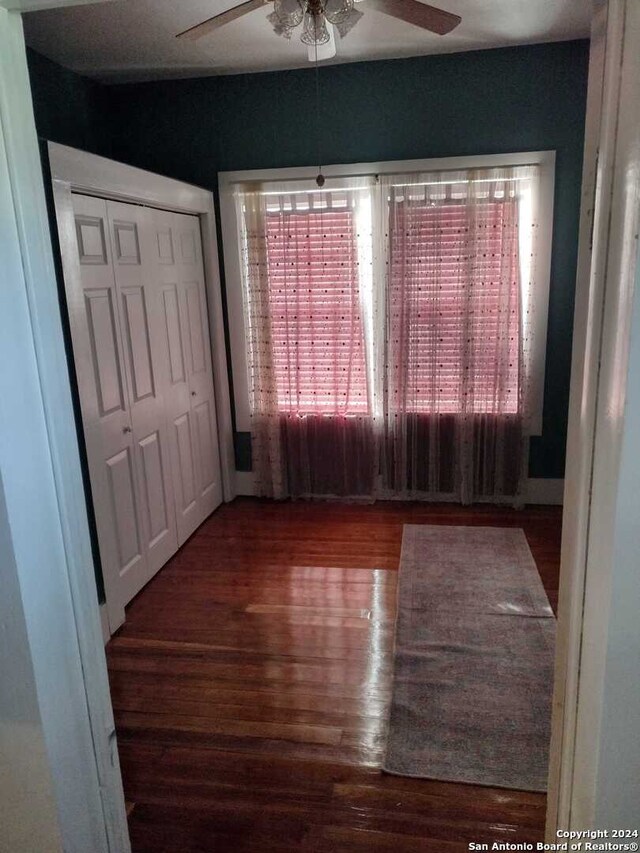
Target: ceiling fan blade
{"points": [[419, 14], [220, 20]]}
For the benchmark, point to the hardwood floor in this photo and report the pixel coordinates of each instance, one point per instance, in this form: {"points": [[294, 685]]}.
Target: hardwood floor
{"points": [[251, 683]]}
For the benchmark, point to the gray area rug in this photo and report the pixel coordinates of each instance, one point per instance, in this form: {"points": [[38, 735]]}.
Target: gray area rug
{"points": [[473, 660]]}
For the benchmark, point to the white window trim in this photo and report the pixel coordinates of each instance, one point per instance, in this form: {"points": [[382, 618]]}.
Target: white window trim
{"points": [[232, 252]]}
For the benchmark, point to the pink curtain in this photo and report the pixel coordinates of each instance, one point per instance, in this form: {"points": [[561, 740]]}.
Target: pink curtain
{"points": [[454, 383], [389, 333], [312, 432]]}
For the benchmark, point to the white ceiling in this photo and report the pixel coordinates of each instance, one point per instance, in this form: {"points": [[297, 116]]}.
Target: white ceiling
{"points": [[128, 40]]}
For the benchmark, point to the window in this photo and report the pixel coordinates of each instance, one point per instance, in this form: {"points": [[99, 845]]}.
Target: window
{"points": [[454, 317], [395, 326], [316, 318], [426, 335]]}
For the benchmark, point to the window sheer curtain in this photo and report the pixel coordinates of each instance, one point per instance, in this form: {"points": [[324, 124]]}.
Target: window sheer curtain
{"points": [[307, 258], [390, 323], [458, 307]]}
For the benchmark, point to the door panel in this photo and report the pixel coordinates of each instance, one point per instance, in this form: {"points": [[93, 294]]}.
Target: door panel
{"points": [[92, 299], [186, 462], [103, 338], [175, 386], [188, 253], [206, 446], [92, 247], [189, 380], [123, 499], [136, 332], [127, 243], [153, 471], [193, 314], [195, 326], [164, 239], [140, 312], [174, 334]]}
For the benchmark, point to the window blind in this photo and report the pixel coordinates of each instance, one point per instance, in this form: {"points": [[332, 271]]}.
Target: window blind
{"points": [[315, 307], [453, 340]]}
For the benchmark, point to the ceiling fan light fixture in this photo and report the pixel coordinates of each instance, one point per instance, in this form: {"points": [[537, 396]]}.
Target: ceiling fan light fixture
{"points": [[344, 27], [289, 12], [337, 11], [279, 28], [315, 29]]}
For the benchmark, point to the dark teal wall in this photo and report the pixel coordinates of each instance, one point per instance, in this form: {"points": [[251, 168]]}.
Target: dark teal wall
{"points": [[69, 108], [482, 102]]}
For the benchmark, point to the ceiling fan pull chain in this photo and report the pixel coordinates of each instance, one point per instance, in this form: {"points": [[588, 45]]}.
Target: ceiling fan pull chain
{"points": [[320, 178]]}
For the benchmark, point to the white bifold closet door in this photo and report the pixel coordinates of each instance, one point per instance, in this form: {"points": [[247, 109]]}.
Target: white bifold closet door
{"points": [[189, 400], [141, 348]]}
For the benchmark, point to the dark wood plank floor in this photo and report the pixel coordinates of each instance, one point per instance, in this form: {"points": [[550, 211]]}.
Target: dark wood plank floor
{"points": [[251, 684]]}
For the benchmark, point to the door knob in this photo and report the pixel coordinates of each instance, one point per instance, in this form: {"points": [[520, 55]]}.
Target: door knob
{"points": [[193, 393], [126, 429]]}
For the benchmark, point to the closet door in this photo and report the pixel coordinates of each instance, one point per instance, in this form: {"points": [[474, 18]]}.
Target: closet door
{"points": [[143, 344], [176, 382], [199, 369], [188, 388], [93, 302], [140, 335]]}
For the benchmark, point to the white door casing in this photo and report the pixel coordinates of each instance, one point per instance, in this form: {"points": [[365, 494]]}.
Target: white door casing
{"points": [[46, 512], [593, 768]]}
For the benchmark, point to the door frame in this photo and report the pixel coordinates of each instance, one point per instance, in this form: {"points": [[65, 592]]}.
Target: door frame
{"points": [[608, 269], [46, 511], [73, 170]]}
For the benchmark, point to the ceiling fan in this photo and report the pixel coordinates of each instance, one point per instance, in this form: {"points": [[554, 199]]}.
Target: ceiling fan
{"points": [[318, 16]]}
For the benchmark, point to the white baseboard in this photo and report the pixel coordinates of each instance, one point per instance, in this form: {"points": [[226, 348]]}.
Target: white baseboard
{"points": [[104, 621], [539, 490]]}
